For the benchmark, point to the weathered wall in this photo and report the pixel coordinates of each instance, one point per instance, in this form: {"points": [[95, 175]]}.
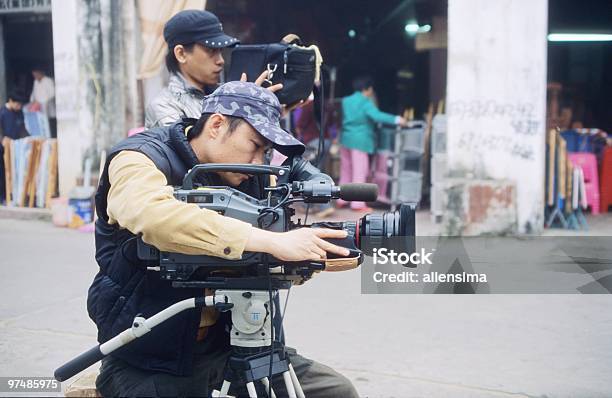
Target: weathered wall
{"points": [[95, 80], [496, 97], [101, 60]]}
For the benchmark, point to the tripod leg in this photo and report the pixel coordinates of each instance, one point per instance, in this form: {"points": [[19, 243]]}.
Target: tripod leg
{"points": [[296, 383], [289, 385], [266, 384], [225, 388], [251, 389]]}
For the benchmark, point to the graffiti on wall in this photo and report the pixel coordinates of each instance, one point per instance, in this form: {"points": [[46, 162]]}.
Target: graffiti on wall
{"points": [[515, 125]]}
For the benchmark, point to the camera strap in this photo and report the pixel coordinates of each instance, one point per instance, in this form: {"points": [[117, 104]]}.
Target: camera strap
{"points": [[319, 99]]}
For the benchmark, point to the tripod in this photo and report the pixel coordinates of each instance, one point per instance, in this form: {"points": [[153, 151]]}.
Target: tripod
{"points": [[250, 340], [252, 346]]}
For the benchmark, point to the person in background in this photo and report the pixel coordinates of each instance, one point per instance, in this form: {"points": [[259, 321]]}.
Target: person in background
{"points": [[43, 98], [357, 139], [12, 126], [195, 39], [306, 126]]}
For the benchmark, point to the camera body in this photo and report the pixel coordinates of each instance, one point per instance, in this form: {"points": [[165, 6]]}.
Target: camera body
{"points": [[298, 181]]}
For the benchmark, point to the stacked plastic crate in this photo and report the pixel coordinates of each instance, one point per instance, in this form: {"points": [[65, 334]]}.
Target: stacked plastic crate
{"points": [[398, 171], [438, 166], [410, 152]]}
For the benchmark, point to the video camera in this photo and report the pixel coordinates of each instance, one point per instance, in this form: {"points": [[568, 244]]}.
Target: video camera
{"points": [[298, 181]]}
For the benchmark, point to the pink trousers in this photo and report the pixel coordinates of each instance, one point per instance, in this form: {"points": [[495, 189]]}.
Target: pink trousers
{"points": [[354, 167]]}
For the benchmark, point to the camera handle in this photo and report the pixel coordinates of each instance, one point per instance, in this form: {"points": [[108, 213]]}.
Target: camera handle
{"points": [[232, 168], [140, 327]]}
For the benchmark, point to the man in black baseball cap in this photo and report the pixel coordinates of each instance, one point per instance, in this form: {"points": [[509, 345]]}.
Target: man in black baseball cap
{"points": [[197, 26], [195, 39]]}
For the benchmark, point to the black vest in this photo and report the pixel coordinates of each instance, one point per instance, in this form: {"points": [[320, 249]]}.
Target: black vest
{"points": [[123, 288]]}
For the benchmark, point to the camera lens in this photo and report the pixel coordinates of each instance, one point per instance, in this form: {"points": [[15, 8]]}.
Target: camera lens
{"points": [[381, 230], [391, 230]]}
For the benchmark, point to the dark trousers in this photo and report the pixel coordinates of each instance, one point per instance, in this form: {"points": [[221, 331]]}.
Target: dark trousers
{"points": [[53, 127], [2, 175], [118, 379]]}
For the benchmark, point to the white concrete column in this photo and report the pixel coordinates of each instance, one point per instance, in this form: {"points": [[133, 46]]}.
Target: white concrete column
{"points": [[496, 97], [69, 104]]}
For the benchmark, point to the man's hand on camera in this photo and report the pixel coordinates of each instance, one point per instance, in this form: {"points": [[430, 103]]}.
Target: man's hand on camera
{"points": [[297, 245]]}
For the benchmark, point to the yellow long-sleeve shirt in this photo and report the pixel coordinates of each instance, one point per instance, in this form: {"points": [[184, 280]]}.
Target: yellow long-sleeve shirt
{"points": [[141, 201]]}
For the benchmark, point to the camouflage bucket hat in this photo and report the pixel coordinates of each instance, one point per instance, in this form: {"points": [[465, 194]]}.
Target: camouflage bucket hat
{"points": [[257, 106]]}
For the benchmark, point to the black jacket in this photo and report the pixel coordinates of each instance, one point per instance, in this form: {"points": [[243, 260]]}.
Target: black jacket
{"points": [[123, 288]]}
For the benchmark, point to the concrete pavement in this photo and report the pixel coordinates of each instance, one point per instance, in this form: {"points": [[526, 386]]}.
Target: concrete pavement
{"points": [[390, 346]]}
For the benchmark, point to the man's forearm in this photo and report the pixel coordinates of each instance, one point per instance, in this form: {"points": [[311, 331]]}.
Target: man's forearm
{"points": [[260, 241]]}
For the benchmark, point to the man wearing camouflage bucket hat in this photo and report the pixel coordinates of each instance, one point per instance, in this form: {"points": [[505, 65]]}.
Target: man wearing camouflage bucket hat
{"points": [[258, 107], [186, 355]]}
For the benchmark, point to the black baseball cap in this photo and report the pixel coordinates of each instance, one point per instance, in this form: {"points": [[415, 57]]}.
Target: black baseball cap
{"points": [[18, 95], [197, 26]]}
